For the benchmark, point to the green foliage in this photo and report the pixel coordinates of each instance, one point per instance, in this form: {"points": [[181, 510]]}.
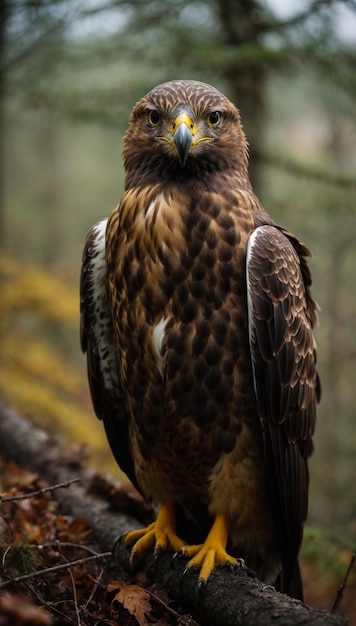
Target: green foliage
{"points": [[331, 555], [312, 545]]}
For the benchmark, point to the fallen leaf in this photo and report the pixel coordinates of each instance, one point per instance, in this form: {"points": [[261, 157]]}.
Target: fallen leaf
{"points": [[135, 600]]}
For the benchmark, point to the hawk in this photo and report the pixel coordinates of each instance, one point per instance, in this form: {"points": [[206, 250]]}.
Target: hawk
{"points": [[197, 321]]}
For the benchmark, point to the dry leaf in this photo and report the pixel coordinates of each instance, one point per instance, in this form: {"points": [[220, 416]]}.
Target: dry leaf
{"points": [[78, 526], [135, 600]]}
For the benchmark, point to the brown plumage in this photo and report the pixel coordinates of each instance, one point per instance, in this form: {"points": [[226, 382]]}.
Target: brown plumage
{"points": [[197, 322]]}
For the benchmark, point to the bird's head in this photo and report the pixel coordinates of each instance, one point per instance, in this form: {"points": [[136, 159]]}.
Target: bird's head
{"points": [[180, 129]]}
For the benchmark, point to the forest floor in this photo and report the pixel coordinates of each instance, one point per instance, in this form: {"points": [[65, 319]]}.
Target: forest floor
{"points": [[52, 570]]}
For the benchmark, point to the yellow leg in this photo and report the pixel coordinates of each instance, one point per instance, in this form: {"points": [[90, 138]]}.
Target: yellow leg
{"points": [[161, 535], [212, 552]]}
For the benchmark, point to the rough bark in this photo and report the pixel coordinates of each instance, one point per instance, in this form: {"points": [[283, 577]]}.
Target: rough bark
{"points": [[231, 598]]}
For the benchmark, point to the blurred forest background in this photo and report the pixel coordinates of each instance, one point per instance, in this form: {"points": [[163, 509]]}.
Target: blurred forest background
{"points": [[70, 74]]}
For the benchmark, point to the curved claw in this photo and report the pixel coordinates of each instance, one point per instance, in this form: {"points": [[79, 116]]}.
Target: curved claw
{"points": [[201, 584], [175, 558], [133, 558], [185, 571], [156, 554], [201, 581]]}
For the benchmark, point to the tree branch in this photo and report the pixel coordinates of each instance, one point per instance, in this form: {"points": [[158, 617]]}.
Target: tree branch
{"points": [[283, 161], [231, 598]]}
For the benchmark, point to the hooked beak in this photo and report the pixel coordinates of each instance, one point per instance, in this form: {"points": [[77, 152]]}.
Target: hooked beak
{"points": [[183, 130], [183, 140], [183, 134]]}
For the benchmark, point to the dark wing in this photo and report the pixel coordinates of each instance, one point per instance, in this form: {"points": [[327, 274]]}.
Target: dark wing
{"points": [[281, 319], [97, 340]]}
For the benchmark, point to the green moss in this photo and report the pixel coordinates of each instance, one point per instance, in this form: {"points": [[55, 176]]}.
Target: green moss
{"points": [[17, 559]]}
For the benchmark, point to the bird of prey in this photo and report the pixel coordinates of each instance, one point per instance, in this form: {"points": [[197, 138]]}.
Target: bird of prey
{"points": [[197, 320]]}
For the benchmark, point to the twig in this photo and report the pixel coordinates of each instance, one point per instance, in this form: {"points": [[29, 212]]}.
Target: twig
{"points": [[40, 492], [54, 605], [343, 584], [181, 619], [75, 597], [66, 544], [48, 605], [93, 591], [55, 568]]}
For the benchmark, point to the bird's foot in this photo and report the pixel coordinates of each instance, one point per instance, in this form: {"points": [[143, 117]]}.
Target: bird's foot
{"points": [[211, 553], [158, 536]]}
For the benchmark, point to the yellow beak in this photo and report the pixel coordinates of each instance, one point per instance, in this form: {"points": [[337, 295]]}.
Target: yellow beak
{"points": [[183, 134], [183, 130]]}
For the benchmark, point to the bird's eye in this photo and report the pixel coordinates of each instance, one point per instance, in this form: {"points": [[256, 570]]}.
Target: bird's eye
{"points": [[154, 118], [214, 118]]}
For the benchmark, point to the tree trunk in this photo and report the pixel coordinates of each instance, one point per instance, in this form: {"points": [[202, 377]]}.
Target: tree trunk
{"points": [[241, 24]]}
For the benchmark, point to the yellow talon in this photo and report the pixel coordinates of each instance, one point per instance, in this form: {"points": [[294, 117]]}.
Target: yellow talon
{"points": [[160, 535], [135, 535], [212, 552]]}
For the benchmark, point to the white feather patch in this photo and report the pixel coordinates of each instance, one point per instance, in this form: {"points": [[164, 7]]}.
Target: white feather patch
{"points": [[103, 323], [98, 262], [252, 242], [157, 341], [151, 208]]}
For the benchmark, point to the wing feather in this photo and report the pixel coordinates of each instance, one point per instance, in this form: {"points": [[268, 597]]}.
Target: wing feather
{"points": [[97, 341], [281, 319]]}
